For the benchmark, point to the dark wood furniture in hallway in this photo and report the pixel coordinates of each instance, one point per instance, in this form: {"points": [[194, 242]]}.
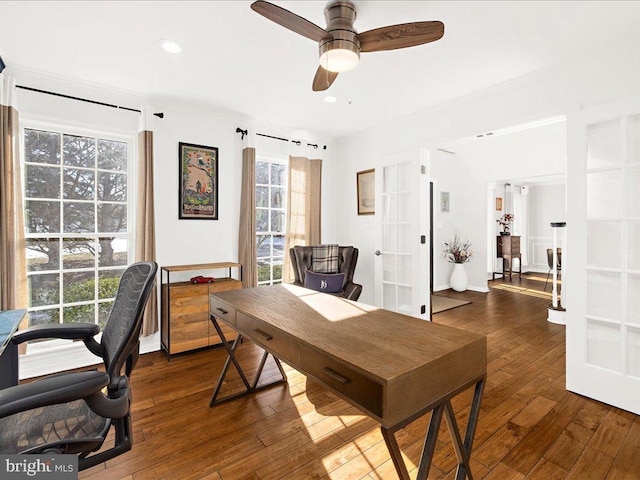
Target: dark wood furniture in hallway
{"points": [[508, 248]]}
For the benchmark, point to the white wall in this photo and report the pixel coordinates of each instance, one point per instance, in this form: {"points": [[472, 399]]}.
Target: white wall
{"points": [[544, 94], [547, 203], [177, 241]]}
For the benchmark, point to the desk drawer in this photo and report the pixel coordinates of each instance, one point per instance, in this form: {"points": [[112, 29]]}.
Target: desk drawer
{"points": [[269, 337], [222, 310], [342, 379]]}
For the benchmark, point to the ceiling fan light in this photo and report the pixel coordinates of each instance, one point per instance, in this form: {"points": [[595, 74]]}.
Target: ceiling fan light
{"points": [[339, 60]]}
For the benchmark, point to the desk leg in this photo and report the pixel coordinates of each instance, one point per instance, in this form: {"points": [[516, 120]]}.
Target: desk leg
{"points": [[463, 450], [231, 357]]}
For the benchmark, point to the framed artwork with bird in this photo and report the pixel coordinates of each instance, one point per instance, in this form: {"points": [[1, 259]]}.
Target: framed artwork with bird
{"points": [[198, 175]]}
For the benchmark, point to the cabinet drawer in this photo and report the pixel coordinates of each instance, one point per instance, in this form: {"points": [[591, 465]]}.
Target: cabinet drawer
{"points": [[343, 379], [272, 339], [189, 332], [222, 310]]}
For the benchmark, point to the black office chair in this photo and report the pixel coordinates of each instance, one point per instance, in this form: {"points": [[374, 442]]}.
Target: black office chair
{"points": [[550, 263], [69, 413]]}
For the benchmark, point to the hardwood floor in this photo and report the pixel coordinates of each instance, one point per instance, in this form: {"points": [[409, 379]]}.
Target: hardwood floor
{"points": [[529, 427]]}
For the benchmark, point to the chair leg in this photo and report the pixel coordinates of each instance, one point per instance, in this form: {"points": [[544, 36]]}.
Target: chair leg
{"points": [[546, 281]]}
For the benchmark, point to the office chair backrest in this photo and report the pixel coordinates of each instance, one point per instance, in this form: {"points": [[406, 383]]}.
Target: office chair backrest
{"points": [[120, 335]]}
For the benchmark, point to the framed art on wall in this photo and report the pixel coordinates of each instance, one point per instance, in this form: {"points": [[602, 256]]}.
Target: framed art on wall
{"points": [[498, 204], [444, 201], [366, 184], [198, 189]]}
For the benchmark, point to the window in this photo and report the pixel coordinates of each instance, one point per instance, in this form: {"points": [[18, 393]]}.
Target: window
{"points": [[271, 202], [77, 224]]}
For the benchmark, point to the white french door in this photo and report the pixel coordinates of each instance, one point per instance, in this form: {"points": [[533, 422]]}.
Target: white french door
{"points": [[603, 254], [401, 265]]}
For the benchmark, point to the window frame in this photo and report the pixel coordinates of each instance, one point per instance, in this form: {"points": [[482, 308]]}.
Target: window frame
{"points": [[66, 129], [270, 233]]}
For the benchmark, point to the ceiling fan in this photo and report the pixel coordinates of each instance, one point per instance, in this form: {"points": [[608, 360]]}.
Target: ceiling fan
{"points": [[340, 44]]}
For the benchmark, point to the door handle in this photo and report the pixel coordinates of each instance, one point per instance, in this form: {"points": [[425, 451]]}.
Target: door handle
{"points": [[377, 252]]}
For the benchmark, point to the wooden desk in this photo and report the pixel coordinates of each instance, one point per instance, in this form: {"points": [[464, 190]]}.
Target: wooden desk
{"points": [[393, 367], [9, 323]]}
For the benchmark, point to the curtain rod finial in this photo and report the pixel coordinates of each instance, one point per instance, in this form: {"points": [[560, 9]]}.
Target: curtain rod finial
{"points": [[241, 132]]}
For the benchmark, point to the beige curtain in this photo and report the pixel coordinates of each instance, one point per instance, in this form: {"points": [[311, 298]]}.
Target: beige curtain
{"points": [[145, 217], [247, 233], [303, 209], [13, 274]]}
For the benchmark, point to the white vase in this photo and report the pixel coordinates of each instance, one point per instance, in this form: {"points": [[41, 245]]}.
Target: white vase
{"points": [[459, 280]]}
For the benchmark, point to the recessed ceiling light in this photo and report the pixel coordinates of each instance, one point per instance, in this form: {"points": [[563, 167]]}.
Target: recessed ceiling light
{"points": [[171, 46], [330, 99]]}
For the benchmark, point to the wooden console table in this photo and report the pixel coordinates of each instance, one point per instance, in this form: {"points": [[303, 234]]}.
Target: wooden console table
{"points": [[508, 248], [394, 368]]}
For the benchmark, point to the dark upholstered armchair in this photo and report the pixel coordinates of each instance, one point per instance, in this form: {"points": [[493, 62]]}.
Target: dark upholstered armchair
{"points": [[301, 261], [69, 413]]}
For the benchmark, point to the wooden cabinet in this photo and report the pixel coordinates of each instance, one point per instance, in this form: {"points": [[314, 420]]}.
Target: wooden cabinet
{"points": [[508, 248], [185, 323]]}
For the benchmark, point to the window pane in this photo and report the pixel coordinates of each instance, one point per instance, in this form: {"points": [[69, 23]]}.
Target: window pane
{"points": [[79, 184], [79, 151], [262, 197], [603, 144], [277, 221], [41, 147], [108, 281], [264, 270], [262, 173], [262, 220], [263, 246], [79, 314], [112, 217], [79, 217], [44, 317], [112, 155], [112, 252], [43, 254], [604, 195], [277, 270], [277, 197], [112, 187], [42, 182], [104, 309], [278, 174], [42, 216], [78, 287], [278, 246], [78, 253], [44, 289]]}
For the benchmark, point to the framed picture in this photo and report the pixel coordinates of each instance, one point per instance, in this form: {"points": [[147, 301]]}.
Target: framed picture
{"points": [[366, 182], [498, 204], [444, 201], [198, 189]]}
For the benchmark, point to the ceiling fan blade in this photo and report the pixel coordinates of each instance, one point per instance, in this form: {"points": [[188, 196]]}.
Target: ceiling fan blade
{"points": [[400, 36], [323, 79], [290, 20]]}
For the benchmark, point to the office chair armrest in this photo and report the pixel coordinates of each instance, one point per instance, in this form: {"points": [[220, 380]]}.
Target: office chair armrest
{"points": [[352, 291], [66, 331], [61, 388]]}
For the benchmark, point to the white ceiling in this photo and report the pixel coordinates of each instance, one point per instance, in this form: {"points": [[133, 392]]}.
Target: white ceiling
{"points": [[237, 60]]}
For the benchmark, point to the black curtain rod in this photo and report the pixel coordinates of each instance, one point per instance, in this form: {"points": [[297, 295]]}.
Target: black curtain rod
{"points": [[95, 102], [297, 142]]}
